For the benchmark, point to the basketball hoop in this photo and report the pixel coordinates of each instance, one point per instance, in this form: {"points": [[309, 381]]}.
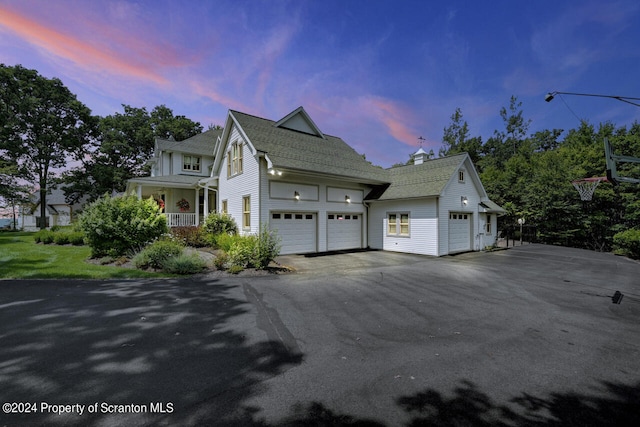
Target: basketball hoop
{"points": [[587, 186]]}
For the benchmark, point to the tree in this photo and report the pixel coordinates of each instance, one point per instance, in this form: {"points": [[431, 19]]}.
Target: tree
{"points": [[126, 143], [456, 139], [43, 126]]}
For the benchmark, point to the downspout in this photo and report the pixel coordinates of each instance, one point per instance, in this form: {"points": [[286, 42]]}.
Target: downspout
{"points": [[366, 205]]}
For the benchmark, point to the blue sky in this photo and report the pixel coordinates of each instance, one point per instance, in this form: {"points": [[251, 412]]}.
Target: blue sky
{"points": [[378, 74]]}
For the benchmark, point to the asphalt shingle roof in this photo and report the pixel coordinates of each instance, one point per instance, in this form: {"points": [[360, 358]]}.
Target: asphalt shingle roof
{"points": [[290, 149], [425, 180], [202, 143]]}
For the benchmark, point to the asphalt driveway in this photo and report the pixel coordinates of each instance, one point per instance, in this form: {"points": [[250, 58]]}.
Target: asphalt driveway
{"points": [[525, 336]]}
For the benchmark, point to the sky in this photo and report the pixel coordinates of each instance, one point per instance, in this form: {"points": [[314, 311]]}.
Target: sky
{"points": [[379, 74]]}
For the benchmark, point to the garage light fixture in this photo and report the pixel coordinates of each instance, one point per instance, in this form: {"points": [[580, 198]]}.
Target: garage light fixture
{"points": [[296, 195], [275, 172], [347, 199], [464, 200]]}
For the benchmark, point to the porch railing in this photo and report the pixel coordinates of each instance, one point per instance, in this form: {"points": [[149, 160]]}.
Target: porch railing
{"points": [[181, 219]]}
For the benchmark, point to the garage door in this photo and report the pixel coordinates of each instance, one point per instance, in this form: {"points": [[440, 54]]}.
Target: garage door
{"points": [[459, 232], [344, 231], [297, 231]]}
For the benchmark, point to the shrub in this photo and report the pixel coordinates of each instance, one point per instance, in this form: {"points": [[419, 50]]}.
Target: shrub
{"points": [[267, 248], [196, 237], [220, 223], [157, 253], [241, 252], [76, 238], [184, 264], [61, 238], [252, 251], [224, 241], [44, 236], [627, 243], [117, 225], [221, 260]]}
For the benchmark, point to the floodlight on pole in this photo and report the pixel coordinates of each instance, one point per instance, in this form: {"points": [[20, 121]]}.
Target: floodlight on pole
{"points": [[628, 99]]}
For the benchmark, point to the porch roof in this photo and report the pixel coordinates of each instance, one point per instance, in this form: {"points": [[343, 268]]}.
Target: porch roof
{"points": [[171, 181]]}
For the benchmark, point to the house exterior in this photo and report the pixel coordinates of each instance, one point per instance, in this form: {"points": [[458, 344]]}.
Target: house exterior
{"points": [[59, 212], [179, 173], [320, 195]]}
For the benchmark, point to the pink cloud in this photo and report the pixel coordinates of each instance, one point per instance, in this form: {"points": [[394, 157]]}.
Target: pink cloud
{"points": [[77, 51], [398, 119]]}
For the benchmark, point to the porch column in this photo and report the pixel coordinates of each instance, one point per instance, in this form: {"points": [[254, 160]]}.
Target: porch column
{"points": [[197, 206], [206, 201], [139, 191]]}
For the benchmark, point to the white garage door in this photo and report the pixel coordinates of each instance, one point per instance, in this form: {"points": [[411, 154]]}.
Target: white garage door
{"points": [[344, 231], [297, 231], [459, 232]]}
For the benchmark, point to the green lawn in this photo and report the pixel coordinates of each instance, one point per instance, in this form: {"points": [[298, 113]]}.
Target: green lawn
{"points": [[22, 258]]}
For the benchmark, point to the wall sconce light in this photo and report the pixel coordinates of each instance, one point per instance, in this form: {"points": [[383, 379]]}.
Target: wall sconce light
{"points": [[464, 200], [296, 195], [347, 199], [275, 172]]}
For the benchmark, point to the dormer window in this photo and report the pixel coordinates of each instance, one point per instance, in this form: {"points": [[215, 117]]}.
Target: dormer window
{"points": [[234, 159], [191, 163]]}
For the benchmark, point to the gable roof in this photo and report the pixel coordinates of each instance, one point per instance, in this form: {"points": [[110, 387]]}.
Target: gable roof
{"points": [[300, 121], [201, 144], [425, 180], [304, 152]]}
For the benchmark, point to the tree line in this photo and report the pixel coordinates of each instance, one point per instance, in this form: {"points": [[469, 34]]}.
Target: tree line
{"points": [[44, 128], [530, 175]]}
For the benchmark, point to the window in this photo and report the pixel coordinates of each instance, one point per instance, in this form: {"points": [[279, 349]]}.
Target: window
{"points": [[246, 212], [308, 216], [276, 216], [398, 224], [488, 225], [288, 216], [191, 163], [298, 216], [461, 175], [234, 159], [404, 224], [224, 207]]}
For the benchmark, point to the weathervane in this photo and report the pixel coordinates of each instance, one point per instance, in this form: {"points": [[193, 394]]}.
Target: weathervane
{"points": [[420, 138]]}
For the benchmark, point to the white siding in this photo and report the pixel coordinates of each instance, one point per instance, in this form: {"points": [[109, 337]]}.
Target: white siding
{"points": [[320, 207], [423, 226], [451, 201], [233, 189]]}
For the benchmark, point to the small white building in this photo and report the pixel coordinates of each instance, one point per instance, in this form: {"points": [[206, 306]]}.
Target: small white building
{"points": [[59, 212]]}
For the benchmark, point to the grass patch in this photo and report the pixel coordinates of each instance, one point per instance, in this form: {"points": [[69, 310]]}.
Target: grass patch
{"points": [[22, 258]]}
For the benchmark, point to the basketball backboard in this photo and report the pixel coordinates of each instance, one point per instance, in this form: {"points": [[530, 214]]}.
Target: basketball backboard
{"points": [[612, 159]]}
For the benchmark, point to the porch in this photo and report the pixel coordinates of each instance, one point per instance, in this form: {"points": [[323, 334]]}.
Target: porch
{"points": [[182, 219]]}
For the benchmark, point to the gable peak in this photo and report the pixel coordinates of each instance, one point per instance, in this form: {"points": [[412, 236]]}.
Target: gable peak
{"points": [[300, 121]]}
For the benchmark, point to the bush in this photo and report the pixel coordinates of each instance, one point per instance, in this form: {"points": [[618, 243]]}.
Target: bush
{"points": [[242, 250], [61, 238], [267, 248], [627, 243], [220, 223], [157, 253], [118, 225], [76, 238], [44, 236], [196, 237], [184, 264], [221, 260], [224, 241], [253, 251]]}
